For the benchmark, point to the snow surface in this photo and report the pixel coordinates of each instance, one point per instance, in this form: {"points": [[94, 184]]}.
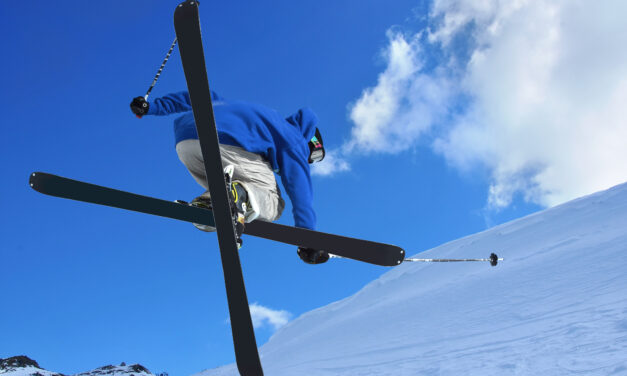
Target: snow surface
{"points": [[557, 305], [26, 371], [132, 370]]}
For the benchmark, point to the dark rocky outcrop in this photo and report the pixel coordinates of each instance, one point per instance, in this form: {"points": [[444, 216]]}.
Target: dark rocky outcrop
{"points": [[19, 361]]}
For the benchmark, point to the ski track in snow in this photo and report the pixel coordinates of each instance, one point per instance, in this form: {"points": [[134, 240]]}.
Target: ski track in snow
{"points": [[557, 305]]}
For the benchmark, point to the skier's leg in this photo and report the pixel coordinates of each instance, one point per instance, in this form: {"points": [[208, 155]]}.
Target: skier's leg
{"points": [[190, 155], [255, 175], [252, 172]]}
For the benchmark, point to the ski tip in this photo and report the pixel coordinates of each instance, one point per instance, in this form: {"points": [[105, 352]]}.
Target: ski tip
{"points": [[401, 257], [39, 181], [190, 2], [182, 12], [32, 178]]}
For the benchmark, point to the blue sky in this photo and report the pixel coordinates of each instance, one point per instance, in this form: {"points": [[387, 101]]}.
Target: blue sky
{"points": [[438, 130]]}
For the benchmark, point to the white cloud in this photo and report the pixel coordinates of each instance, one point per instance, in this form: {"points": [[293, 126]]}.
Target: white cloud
{"points": [[263, 316], [405, 103], [332, 163], [546, 84]]}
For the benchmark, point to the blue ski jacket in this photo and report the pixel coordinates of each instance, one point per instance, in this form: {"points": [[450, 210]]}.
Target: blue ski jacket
{"points": [[261, 130]]}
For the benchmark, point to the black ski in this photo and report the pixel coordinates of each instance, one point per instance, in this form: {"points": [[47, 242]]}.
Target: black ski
{"points": [[356, 249], [187, 27], [58, 186], [352, 248]]}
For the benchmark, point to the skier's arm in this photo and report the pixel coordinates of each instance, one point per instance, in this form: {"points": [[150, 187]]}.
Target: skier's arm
{"points": [[296, 179], [172, 103]]}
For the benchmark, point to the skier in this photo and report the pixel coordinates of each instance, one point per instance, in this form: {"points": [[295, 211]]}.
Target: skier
{"points": [[255, 143]]}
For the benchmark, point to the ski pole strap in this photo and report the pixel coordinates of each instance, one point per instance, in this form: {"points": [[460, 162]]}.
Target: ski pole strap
{"points": [[160, 69]]}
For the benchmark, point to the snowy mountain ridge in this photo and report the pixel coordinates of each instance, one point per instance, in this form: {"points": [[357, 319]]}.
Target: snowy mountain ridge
{"points": [[557, 305], [24, 366]]}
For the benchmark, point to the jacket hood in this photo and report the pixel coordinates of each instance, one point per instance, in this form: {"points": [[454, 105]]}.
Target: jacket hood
{"points": [[305, 120]]}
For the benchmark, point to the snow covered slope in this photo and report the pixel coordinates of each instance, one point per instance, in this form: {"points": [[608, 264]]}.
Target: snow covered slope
{"points": [[557, 305]]}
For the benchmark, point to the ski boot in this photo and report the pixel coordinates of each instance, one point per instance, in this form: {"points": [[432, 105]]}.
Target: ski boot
{"points": [[238, 198], [313, 256], [242, 203], [203, 201]]}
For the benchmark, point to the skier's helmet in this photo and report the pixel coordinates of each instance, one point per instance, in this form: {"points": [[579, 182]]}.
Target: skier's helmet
{"points": [[316, 148]]}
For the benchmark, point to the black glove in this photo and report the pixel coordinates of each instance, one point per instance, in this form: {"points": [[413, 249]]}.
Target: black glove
{"points": [[313, 256], [139, 106]]}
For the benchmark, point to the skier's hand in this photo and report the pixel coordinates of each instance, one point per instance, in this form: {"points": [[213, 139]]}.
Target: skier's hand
{"points": [[313, 256], [139, 106]]}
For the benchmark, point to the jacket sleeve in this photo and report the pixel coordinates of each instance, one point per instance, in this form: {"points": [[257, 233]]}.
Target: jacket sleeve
{"points": [[174, 103], [296, 179]]}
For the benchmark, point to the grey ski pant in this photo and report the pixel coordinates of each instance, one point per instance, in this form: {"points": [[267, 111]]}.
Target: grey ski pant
{"points": [[251, 170]]}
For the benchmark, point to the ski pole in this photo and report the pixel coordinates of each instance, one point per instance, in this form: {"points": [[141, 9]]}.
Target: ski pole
{"points": [[494, 259], [160, 69]]}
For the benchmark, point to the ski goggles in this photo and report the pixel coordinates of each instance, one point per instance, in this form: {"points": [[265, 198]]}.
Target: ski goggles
{"points": [[316, 149]]}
